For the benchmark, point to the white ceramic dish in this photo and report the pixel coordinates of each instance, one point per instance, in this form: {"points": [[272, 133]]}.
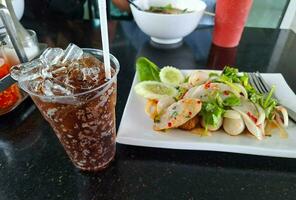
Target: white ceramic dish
{"points": [[168, 28], [136, 129]]}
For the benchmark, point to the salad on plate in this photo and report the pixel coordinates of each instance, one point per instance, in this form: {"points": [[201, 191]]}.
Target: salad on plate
{"points": [[207, 101]]}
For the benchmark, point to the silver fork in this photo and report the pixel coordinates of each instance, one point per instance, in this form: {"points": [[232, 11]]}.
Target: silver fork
{"points": [[258, 82]]}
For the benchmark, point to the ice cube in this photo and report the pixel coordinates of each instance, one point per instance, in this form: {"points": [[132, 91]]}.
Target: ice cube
{"points": [[35, 85], [74, 73], [59, 71], [47, 87], [90, 73], [73, 52], [52, 56], [27, 71], [73, 66], [15, 72], [52, 88], [90, 61], [61, 90], [46, 73]]}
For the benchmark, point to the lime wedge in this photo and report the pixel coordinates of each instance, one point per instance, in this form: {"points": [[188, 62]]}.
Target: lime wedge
{"points": [[155, 90], [171, 76]]}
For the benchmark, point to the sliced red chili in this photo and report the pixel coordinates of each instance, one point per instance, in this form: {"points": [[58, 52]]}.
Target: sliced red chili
{"points": [[207, 85], [253, 118], [226, 93]]}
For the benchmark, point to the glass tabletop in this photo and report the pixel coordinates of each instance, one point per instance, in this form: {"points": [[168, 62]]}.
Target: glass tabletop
{"points": [[34, 165]]}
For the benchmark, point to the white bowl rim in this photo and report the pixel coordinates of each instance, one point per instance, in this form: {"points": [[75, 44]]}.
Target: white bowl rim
{"points": [[204, 5]]}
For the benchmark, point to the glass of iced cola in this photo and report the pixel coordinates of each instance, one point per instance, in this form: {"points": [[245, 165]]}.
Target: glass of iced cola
{"points": [[71, 91]]}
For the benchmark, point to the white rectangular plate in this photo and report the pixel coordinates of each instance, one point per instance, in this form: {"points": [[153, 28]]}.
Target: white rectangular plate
{"points": [[136, 129]]}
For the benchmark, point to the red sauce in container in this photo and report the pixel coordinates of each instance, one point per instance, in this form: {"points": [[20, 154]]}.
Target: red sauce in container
{"points": [[11, 95]]}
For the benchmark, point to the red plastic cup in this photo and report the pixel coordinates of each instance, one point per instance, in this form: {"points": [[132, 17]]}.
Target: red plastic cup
{"points": [[230, 19]]}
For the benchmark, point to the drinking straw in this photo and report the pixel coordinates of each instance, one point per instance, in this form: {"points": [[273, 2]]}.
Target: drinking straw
{"points": [[105, 39], [14, 37]]}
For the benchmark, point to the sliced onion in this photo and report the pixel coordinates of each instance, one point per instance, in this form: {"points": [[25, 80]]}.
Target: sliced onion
{"points": [[247, 106], [198, 78], [283, 117], [261, 115], [201, 91], [258, 132], [242, 89]]}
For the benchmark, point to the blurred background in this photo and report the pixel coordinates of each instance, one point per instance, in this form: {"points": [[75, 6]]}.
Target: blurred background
{"points": [[264, 13]]}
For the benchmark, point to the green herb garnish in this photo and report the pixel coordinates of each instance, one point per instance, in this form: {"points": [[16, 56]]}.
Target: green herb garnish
{"points": [[211, 113], [231, 101], [186, 80], [265, 101], [174, 114], [231, 75], [181, 92]]}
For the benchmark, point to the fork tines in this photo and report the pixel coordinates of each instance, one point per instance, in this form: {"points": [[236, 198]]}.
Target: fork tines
{"points": [[257, 81]]}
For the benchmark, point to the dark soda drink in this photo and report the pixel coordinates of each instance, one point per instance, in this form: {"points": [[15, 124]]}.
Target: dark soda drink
{"points": [[79, 103]]}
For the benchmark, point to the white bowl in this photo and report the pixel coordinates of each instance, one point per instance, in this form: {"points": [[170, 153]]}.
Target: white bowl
{"points": [[168, 28]]}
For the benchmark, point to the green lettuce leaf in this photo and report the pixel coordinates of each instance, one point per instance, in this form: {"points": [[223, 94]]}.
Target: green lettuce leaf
{"points": [[147, 70]]}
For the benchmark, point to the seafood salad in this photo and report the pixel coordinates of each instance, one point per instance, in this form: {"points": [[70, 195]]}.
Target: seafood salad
{"points": [[207, 100]]}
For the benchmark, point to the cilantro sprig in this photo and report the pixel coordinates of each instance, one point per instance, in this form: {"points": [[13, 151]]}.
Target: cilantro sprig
{"points": [[214, 108], [211, 112], [231, 75], [265, 101]]}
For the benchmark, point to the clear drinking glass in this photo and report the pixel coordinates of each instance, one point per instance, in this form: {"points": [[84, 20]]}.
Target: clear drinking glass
{"points": [[30, 45], [13, 96], [84, 122]]}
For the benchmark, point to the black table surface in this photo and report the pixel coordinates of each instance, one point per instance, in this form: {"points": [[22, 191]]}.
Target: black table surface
{"points": [[34, 165]]}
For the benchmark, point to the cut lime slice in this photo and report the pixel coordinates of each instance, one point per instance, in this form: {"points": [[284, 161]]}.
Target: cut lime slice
{"points": [[155, 90], [171, 76]]}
